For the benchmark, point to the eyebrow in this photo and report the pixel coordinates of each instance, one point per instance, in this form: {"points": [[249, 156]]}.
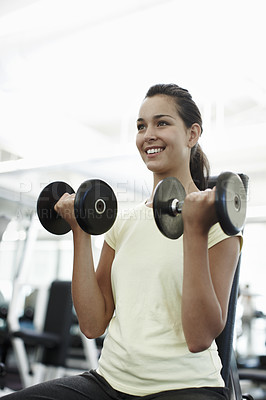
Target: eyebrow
{"points": [[156, 117]]}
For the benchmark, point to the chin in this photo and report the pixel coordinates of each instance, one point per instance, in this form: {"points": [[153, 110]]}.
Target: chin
{"points": [[155, 168]]}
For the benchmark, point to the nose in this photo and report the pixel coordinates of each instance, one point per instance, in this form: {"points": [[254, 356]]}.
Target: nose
{"points": [[150, 134]]}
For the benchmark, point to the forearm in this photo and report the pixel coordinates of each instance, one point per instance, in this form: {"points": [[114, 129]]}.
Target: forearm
{"points": [[88, 299], [201, 311]]}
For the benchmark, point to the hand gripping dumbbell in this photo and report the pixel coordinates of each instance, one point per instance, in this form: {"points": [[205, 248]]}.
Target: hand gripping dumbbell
{"points": [[230, 205], [95, 207]]}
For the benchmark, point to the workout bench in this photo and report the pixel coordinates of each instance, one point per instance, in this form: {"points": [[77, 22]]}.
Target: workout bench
{"points": [[225, 340]]}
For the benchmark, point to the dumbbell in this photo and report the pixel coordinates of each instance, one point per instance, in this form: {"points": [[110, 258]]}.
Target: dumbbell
{"points": [[230, 205], [95, 207]]}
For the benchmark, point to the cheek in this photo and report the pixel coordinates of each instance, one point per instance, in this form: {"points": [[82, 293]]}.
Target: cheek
{"points": [[139, 142]]}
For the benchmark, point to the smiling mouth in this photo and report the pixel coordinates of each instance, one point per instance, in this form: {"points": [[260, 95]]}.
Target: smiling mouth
{"points": [[154, 150]]}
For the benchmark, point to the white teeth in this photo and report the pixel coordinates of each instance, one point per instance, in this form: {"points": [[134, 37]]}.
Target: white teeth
{"points": [[152, 151]]}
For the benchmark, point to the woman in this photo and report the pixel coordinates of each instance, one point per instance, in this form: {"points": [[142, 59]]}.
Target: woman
{"points": [[163, 301]]}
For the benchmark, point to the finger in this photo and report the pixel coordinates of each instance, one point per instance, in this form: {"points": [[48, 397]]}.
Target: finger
{"points": [[63, 198]]}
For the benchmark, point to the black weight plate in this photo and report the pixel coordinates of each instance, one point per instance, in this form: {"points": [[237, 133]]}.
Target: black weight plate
{"points": [[230, 202], [168, 189], [95, 206], [47, 199]]}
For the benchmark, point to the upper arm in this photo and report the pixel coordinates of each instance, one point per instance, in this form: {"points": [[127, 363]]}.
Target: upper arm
{"points": [[223, 258], [103, 275]]}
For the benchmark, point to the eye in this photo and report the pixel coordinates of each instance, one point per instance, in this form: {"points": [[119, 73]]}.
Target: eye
{"points": [[140, 127], [162, 123]]}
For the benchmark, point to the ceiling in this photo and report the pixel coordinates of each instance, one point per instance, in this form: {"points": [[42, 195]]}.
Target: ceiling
{"points": [[73, 74]]}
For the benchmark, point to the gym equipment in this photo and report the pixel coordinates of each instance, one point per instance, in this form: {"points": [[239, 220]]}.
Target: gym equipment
{"points": [[169, 193], [95, 207], [230, 205]]}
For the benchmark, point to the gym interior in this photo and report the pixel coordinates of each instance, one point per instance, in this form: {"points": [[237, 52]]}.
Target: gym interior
{"points": [[73, 74]]}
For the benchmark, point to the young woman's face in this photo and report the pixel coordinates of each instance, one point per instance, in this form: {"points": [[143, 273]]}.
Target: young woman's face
{"points": [[162, 138]]}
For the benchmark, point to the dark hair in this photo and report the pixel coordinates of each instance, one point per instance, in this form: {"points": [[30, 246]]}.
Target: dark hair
{"points": [[190, 114]]}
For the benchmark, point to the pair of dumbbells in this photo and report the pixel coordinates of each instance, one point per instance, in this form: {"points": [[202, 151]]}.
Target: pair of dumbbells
{"points": [[95, 206]]}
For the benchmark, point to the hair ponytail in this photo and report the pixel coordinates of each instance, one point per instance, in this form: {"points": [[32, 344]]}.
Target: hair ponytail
{"points": [[190, 114], [199, 167]]}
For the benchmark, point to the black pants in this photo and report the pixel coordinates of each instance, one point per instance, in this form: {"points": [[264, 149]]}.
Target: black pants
{"points": [[92, 386]]}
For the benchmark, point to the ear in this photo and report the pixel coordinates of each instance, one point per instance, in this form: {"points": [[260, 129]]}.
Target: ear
{"points": [[194, 134]]}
